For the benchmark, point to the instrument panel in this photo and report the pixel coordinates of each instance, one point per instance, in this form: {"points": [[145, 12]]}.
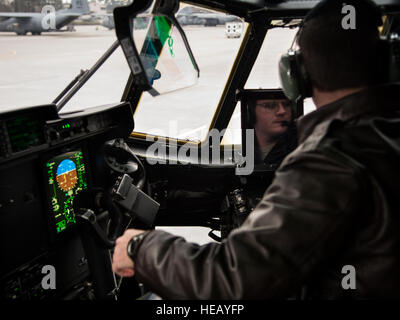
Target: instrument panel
{"points": [[46, 160]]}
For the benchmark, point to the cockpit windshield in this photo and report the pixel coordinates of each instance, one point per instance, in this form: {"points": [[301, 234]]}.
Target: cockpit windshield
{"points": [[187, 80]]}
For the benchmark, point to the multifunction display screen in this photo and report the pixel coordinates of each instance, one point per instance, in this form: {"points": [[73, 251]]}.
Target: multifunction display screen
{"points": [[24, 132], [66, 178]]}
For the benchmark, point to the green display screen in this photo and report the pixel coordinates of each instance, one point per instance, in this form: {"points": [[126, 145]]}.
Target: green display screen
{"points": [[66, 178], [24, 132]]}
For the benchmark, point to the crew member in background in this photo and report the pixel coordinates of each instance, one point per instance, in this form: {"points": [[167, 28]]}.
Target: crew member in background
{"points": [[274, 128]]}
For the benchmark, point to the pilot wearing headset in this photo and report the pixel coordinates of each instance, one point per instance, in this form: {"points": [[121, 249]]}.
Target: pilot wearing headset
{"points": [[329, 223]]}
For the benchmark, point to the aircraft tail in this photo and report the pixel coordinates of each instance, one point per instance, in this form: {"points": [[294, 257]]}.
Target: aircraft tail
{"points": [[79, 6]]}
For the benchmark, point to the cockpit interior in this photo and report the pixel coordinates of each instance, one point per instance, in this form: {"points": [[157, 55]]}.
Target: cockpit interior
{"points": [[72, 180]]}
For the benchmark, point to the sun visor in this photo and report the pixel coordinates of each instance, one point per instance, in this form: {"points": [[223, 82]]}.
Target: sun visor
{"points": [[156, 49]]}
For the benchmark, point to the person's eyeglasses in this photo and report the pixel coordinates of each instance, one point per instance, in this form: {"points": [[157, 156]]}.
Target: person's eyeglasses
{"points": [[274, 105]]}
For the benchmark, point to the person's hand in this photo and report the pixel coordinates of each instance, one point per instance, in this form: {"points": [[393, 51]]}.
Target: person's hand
{"points": [[122, 263]]}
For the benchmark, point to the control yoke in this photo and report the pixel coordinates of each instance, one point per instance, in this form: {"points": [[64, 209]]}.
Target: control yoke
{"points": [[123, 203]]}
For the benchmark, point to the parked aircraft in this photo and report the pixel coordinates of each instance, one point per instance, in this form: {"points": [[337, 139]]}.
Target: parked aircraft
{"points": [[191, 15], [37, 22], [108, 21], [140, 21]]}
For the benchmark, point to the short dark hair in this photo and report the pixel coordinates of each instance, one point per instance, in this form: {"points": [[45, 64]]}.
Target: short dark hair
{"points": [[337, 58]]}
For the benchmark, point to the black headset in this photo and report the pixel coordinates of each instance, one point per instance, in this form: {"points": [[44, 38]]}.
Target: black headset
{"points": [[295, 81], [294, 78]]}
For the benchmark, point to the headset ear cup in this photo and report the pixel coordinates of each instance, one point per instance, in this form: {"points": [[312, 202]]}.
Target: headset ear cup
{"points": [[295, 81], [304, 81], [288, 76]]}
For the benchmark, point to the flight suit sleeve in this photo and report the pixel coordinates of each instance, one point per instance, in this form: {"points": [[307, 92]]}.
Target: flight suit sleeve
{"points": [[302, 221]]}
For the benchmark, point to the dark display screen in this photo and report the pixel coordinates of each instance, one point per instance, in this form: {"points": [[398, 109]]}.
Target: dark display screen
{"points": [[66, 178], [24, 132]]}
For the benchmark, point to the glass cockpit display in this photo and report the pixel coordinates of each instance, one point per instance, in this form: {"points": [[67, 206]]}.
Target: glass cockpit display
{"points": [[66, 178]]}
